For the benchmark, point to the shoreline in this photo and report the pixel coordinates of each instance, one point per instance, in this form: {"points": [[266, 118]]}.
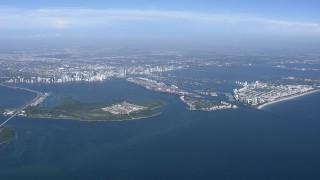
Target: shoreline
{"points": [[9, 140], [93, 120], [99, 120], [4, 142], [287, 98]]}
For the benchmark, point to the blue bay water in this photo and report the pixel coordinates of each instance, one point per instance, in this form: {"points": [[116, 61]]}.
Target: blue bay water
{"points": [[280, 142], [12, 98]]}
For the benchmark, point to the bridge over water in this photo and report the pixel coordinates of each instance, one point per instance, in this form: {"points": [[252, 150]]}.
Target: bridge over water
{"points": [[19, 110]]}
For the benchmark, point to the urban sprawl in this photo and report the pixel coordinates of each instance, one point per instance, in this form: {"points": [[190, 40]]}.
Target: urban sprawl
{"points": [[258, 93]]}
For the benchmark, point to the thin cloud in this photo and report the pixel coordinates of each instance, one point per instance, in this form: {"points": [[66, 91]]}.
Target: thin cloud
{"points": [[64, 18]]}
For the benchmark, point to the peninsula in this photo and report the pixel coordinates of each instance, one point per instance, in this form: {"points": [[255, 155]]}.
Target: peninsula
{"points": [[160, 87], [261, 94], [193, 100], [205, 105], [286, 98]]}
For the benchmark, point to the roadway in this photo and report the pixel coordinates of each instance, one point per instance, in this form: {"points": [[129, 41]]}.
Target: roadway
{"points": [[19, 110]]}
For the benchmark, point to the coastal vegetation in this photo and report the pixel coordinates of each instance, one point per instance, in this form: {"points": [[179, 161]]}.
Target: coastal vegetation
{"points": [[74, 109], [6, 134], [205, 105]]}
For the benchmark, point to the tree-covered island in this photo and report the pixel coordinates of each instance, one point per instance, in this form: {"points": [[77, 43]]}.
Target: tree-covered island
{"points": [[74, 109], [6, 134]]}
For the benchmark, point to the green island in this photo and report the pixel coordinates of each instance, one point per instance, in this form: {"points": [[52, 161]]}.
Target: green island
{"points": [[74, 109], [205, 105], [6, 134]]}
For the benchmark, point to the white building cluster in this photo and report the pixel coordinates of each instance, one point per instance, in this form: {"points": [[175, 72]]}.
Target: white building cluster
{"points": [[91, 74], [259, 93], [124, 108], [192, 103]]}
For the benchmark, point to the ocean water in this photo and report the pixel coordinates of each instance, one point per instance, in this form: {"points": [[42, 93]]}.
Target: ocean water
{"points": [[8, 97], [280, 142]]}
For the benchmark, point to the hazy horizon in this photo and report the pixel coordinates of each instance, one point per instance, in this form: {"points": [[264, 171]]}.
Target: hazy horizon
{"points": [[176, 24]]}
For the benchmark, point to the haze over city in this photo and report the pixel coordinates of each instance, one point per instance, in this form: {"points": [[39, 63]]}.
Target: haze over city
{"points": [[160, 90]]}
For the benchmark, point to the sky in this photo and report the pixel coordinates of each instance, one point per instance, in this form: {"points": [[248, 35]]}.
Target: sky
{"points": [[224, 22]]}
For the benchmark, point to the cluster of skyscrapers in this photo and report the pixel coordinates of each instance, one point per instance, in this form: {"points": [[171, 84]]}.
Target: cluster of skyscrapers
{"points": [[98, 73]]}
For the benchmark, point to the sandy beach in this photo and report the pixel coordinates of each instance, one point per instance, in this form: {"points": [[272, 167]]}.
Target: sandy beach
{"points": [[287, 98]]}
